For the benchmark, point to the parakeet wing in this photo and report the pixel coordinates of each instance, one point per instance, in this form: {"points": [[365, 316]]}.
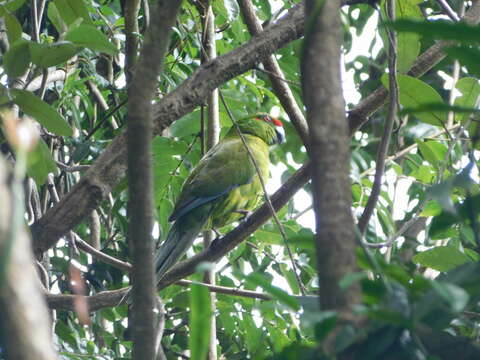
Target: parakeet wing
{"points": [[221, 170]]}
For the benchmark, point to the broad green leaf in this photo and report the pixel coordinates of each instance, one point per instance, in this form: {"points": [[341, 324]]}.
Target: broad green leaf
{"points": [[277, 293], [409, 90], [468, 57], [454, 295], [80, 10], [54, 16], [14, 29], [92, 38], [438, 107], [41, 111], [200, 312], [12, 5], [439, 29], [17, 58], [431, 209], [432, 151], [470, 89], [424, 174], [71, 10], [408, 44], [40, 163], [46, 55], [186, 125], [441, 258]]}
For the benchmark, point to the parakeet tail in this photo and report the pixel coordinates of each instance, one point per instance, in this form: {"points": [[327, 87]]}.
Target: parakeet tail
{"points": [[179, 239]]}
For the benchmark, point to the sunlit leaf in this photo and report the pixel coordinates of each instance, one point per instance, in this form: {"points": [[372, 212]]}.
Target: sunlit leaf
{"points": [[409, 90], [44, 113], [200, 312], [441, 258], [92, 38]]}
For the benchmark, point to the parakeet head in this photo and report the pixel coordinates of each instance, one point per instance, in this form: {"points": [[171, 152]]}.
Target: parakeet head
{"points": [[264, 126]]}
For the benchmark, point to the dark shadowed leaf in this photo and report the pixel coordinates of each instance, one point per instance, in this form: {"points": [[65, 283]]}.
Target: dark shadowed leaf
{"points": [[40, 163], [46, 55], [17, 58]]}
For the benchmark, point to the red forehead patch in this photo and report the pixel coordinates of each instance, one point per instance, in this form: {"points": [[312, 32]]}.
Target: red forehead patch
{"points": [[277, 122], [270, 119]]}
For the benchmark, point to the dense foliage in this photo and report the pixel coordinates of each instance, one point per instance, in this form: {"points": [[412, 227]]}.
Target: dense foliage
{"points": [[420, 287]]}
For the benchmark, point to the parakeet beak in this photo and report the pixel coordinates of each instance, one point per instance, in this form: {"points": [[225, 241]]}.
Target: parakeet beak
{"points": [[280, 134]]}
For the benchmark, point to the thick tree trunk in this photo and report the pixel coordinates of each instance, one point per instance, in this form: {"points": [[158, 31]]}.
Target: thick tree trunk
{"points": [[330, 157]]}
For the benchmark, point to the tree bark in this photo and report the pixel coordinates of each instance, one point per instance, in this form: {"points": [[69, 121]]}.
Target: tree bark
{"points": [[329, 156], [140, 182]]}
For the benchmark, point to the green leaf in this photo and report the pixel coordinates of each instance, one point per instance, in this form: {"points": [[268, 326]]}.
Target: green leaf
{"points": [[408, 44], [442, 226], [17, 59], [470, 89], [13, 5], [431, 209], [200, 312], [92, 38], [409, 90], [186, 125], [468, 56], [54, 16], [441, 258], [71, 10], [41, 111], [14, 29], [40, 163], [277, 293], [46, 55], [439, 29], [432, 151], [454, 295], [437, 107]]}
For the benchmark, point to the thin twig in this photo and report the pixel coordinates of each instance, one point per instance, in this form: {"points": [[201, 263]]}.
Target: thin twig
{"points": [[407, 150], [400, 231], [66, 168], [281, 78], [445, 6], [387, 132]]}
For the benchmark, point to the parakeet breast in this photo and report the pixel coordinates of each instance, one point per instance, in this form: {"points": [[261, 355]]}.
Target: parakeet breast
{"points": [[245, 197]]}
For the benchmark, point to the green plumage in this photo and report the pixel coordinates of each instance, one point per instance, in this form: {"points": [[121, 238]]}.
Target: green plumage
{"points": [[223, 183]]}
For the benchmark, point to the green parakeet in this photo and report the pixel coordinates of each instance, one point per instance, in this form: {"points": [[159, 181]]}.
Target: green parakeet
{"points": [[222, 186]]}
